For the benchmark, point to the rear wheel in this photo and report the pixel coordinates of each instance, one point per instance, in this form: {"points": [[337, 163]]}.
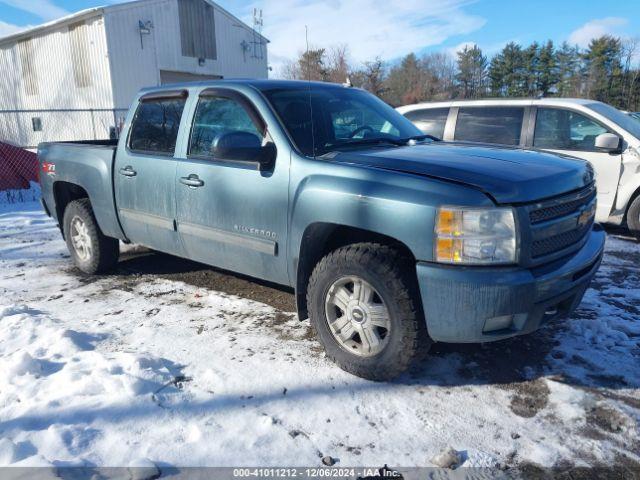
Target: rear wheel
{"points": [[633, 217], [91, 250], [365, 309]]}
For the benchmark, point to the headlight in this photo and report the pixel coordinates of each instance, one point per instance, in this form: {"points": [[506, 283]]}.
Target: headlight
{"points": [[475, 236]]}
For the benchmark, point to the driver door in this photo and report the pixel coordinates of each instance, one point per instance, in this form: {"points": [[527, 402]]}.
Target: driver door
{"points": [[571, 133], [230, 213]]}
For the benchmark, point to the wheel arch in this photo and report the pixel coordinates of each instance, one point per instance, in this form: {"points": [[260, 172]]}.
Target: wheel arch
{"points": [[63, 194], [321, 238]]}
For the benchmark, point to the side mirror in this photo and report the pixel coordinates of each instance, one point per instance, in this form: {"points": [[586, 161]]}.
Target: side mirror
{"points": [[608, 142], [243, 147]]}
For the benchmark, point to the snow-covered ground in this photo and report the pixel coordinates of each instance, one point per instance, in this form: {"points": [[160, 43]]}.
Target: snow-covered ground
{"points": [[119, 368]]}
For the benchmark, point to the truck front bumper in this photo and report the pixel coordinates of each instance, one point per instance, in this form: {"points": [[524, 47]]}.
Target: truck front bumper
{"points": [[477, 304]]}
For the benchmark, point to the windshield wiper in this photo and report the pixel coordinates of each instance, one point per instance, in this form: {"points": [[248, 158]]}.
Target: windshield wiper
{"points": [[419, 138], [366, 141]]}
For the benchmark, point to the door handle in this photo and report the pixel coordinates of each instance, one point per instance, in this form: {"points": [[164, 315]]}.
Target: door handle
{"points": [[128, 171], [191, 181]]}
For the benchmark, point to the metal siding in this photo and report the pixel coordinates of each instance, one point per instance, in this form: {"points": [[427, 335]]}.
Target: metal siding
{"points": [[51, 57], [134, 68], [134, 64]]}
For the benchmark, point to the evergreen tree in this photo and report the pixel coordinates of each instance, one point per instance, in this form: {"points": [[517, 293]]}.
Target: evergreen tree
{"points": [[507, 72], [472, 72], [547, 77], [569, 68], [406, 82], [603, 61]]}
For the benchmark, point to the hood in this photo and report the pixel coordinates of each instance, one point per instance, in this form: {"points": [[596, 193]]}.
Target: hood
{"points": [[507, 175]]}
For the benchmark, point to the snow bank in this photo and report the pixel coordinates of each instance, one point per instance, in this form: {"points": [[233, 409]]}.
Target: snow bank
{"points": [[54, 383]]}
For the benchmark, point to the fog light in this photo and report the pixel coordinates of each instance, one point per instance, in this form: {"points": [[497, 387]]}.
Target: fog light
{"points": [[498, 323]]}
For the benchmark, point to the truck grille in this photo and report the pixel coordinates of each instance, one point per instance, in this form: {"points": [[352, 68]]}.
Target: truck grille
{"points": [[562, 208], [557, 225], [558, 242]]}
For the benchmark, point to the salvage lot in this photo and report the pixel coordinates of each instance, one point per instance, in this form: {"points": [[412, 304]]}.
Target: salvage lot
{"points": [[180, 364]]}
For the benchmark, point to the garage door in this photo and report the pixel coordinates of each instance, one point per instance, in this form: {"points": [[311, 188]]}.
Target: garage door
{"points": [[167, 77]]}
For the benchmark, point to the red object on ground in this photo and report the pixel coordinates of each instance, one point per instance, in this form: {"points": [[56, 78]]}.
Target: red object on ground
{"points": [[18, 167]]}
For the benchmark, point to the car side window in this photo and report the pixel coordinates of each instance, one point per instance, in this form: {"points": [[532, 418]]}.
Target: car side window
{"points": [[155, 125], [429, 120], [217, 116], [559, 129], [500, 125]]}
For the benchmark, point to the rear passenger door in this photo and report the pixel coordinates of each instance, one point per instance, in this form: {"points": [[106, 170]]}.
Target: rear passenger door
{"points": [[232, 214], [571, 133], [497, 125], [145, 172]]}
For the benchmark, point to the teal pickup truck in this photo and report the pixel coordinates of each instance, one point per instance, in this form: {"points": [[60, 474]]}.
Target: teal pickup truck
{"points": [[392, 240]]}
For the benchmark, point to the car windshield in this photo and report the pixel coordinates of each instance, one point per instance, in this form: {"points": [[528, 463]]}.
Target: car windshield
{"points": [[626, 122], [323, 119]]}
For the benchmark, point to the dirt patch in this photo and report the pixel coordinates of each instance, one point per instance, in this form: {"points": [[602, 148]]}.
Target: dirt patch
{"points": [[606, 418], [141, 265], [529, 397]]}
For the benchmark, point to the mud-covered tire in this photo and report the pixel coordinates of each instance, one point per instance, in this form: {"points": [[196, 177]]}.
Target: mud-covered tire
{"points": [[103, 251], [633, 218], [392, 276]]}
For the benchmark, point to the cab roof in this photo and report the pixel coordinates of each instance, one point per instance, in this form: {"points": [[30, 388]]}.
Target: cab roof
{"points": [[258, 84]]}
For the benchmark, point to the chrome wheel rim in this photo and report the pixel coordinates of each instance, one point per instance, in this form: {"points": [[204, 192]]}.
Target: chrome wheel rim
{"points": [[357, 316], [80, 239]]}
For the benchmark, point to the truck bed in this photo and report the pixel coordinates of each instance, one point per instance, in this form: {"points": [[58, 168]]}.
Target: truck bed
{"points": [[87, 165]]}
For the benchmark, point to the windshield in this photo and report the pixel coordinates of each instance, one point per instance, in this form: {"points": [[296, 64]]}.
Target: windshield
{"points": [[342, 117], [626, 122]]}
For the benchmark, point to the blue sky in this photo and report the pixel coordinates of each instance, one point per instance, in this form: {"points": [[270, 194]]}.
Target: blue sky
{"points": [[392, 28]]}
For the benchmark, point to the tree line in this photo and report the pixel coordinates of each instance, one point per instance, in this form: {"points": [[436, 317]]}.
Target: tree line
{"points": [[607, 70]]}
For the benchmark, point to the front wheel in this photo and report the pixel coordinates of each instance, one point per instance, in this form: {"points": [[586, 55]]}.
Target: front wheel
{"points": [[633, 218], [91, 250], [364, 306]]}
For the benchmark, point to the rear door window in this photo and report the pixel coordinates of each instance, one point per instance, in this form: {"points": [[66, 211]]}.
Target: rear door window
{"points": [[155, 126], [429, 120], [558, 129], [499, 125]]}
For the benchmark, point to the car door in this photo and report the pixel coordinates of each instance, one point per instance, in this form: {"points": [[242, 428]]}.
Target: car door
{"points": [[145, 172], [571, 133], [232, 213], [490, 124]]}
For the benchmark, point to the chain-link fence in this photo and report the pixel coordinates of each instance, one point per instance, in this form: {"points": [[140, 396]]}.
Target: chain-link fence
{"points": [[27, 128]]}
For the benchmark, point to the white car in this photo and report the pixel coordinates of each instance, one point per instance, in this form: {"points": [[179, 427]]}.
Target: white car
{"points": [[593, 131]]}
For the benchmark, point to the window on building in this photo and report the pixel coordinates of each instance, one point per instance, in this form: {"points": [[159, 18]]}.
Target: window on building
{"points": [[558, 129], [216, 116], [430, 120], [197, 29], [500, 125], [156, 124], [27, 65], [79, 47]]}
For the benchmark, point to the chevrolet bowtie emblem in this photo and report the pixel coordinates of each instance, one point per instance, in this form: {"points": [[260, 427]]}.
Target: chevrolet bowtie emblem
{"points": [[585, 216]]}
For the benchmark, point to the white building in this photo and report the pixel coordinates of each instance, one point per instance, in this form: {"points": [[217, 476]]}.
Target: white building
{"points": [[97, 59]]}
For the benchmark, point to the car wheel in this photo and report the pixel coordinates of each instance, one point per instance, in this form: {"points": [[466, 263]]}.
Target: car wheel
{"points": [[365, 308], [91, 250], [633, 218]]}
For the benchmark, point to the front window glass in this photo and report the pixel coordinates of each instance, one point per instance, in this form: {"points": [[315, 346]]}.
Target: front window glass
{"points": [[155, 126], [341, 117], [429, 120], [217, 116], [499, 125], [558, 129]]}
